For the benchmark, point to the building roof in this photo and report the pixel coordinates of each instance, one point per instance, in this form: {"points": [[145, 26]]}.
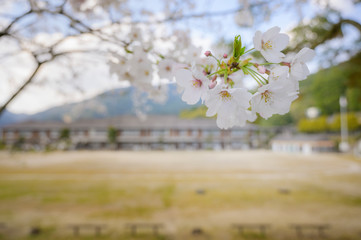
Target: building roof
{"points": [[124, 122]]}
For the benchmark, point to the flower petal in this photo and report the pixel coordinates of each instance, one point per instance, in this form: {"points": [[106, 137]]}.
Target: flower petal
{"points": [[297, 71], [272, 56], [305, 55], [257, 40], [270, 33], [280, 41], [183, 77], [191, 95]]}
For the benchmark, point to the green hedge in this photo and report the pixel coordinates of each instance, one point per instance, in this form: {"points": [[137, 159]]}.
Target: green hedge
{"points": [[324, 123]]}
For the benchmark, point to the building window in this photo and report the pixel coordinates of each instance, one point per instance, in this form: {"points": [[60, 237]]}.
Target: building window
{"points": [[174, 132], [10, 134], [26, 134], [101, 133], [43, 135], [144, 132], [54, 134], [206, 133], [238, 133], [79, 134], [156, 133], [216, 133], [130, 133], [183, 133]]}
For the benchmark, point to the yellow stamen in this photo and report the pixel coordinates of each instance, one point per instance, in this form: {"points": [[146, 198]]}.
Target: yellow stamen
{"points": [[266, 95], [275, 77], [197, 83], [268, 45], [225, 95]]}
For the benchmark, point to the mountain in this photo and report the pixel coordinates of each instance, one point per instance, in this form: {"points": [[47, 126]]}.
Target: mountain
{"points": [[9, 117], [108, 104]]}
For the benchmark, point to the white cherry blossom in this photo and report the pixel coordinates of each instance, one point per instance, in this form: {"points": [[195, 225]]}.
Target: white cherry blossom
{"points": [[139, 57], [166, 68], [143, 76], [230, 105], [298, 69], [158, 93], [270, 44], [273, 98], [194, 83], [194, 54], [135, 34], [218, 79], [118, 65], [278, 73], [236, 79], [281, 74]]}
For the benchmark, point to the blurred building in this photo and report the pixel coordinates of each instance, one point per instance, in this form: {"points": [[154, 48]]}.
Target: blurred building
{"points": [[303, 143], [129, 132]]}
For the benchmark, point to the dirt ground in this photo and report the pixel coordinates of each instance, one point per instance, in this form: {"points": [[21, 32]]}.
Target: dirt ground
{"points": [[183, 191]]}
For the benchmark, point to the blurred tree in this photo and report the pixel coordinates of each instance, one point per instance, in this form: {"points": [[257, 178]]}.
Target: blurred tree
{"points": [[18, 144], [112, 135], [197, 112], [313, 125], [64, 134], [320, 29], [352, 122], [2, 145], [324, 89], [330, 31], [324, 123]]}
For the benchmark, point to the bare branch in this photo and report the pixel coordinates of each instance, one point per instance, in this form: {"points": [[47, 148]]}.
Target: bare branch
{"points": [[6, 30], [27, 82], [352, 22], [34, 73]]}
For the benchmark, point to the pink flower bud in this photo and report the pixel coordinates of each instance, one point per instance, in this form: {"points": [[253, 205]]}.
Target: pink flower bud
{"points": [[225, 55], [208, 53], [212, 84], [261, 69]]}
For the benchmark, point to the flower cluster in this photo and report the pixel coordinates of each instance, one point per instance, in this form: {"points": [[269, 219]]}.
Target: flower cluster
{"points": [[218, 81], [147, 61]]}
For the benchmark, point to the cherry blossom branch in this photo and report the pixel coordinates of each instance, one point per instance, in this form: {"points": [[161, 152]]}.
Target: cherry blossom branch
{"points": [[5, 31], [224, 93], [39, 65], [21, 88]]}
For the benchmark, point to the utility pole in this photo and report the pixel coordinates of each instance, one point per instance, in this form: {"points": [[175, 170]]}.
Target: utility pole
{"points": [[344, 145]]}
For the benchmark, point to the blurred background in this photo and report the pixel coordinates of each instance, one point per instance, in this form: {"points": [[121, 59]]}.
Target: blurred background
{"points": [[92, 147]]}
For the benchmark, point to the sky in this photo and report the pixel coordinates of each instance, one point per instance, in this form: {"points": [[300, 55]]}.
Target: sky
{"points": [[41, 96]]}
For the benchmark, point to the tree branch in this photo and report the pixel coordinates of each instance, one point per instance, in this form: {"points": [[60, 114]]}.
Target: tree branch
{"points": [[6, 30], [352, 22], [27, 82], [32, 76]]}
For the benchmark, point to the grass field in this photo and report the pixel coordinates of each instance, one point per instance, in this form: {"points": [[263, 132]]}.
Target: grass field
{"points": [[181, 190]]}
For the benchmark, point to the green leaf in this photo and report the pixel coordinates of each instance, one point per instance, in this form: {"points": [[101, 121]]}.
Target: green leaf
{"points": [[242, 51], [237, 47]]}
